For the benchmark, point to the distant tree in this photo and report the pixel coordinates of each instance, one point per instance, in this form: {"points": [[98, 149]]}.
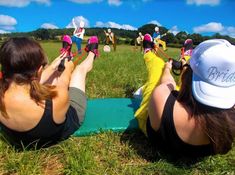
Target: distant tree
{"points": [[42, 34], [150, 28], [197, 38], [181, 37], [219, 36], [169, 38], [147, 28]]}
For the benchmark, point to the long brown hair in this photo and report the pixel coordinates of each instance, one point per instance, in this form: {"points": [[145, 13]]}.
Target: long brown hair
{"points": [[218, 124], [20, 59]]}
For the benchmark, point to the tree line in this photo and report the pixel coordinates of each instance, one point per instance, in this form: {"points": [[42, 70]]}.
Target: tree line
{"points": [[123, 36]]}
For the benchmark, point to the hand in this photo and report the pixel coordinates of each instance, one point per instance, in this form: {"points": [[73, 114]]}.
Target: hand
{"points": [[68, 64], [177, 65], [168, 64], [92, 45], [183, 62], [57, 61]]}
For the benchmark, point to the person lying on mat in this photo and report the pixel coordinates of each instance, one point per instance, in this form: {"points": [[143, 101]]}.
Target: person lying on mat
{"points": [[199, 119], [34, 112]]}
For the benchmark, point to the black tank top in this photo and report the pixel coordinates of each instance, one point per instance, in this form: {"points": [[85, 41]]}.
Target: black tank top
{"points": [[166, 137], [45, 133]]}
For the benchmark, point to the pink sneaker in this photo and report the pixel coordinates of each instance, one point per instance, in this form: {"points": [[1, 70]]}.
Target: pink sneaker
{"points": [[92, 45]]}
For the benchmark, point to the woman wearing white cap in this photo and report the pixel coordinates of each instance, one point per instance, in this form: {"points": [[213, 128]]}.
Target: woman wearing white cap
{"points": [[78, 34], [198, 120]]}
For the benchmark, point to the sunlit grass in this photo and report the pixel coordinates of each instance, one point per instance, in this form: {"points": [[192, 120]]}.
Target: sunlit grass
{"points": [[115, 74]]}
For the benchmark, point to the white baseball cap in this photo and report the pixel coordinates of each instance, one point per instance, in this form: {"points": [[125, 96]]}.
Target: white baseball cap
{"points": [[213, 81], [109, 30]]}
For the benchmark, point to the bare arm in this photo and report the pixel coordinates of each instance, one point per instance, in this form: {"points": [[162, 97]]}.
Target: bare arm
{"points": [[160, 95], [111, 37], [50, 69], [61, 101], [75, 26], [167, 78], [64, 78]]}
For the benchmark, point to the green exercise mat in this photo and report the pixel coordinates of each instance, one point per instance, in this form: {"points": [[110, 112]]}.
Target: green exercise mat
{"points": [[109, 114]]}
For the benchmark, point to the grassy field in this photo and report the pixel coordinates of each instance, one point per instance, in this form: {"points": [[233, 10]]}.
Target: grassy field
{"points": [[114, 75]]}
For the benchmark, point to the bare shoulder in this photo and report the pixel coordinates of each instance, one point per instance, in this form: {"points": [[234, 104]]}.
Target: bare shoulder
{"points": [[161, 92], [23, 112]]}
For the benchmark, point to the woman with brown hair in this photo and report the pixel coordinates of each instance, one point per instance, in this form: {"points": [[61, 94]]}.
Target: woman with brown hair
{"points": [[198, 120], [39, 105]]}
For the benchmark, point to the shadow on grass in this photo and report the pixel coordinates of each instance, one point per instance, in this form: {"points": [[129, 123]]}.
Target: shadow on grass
{"points": [[143, 147], [129, 90], [140, 143]]}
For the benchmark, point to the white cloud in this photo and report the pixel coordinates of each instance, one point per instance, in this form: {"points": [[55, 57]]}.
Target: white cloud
{"points": [[230, 31], [49, 26], [46, 2], [155, 22], [174, 30], [216, 28], [85, 1], [128, 27], [7, 22], [204, 2], [77, 22], [3, 31], [110, 2], [7, 27], [22, 3], [115, 2], [111, 24], [210, 27]]}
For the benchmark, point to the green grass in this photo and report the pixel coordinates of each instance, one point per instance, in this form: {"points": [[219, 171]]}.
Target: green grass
{"points": [[115, 74]]}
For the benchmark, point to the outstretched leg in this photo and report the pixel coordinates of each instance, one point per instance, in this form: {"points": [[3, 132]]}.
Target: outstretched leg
{"points": [[78, 78], [77, 84]]}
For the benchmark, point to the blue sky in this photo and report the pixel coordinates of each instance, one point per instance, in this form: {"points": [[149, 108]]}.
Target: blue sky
{"points": [[193, 16]]}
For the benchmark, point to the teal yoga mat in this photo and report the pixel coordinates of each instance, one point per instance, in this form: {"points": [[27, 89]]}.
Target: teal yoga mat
{"points": [[109, 114]]}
